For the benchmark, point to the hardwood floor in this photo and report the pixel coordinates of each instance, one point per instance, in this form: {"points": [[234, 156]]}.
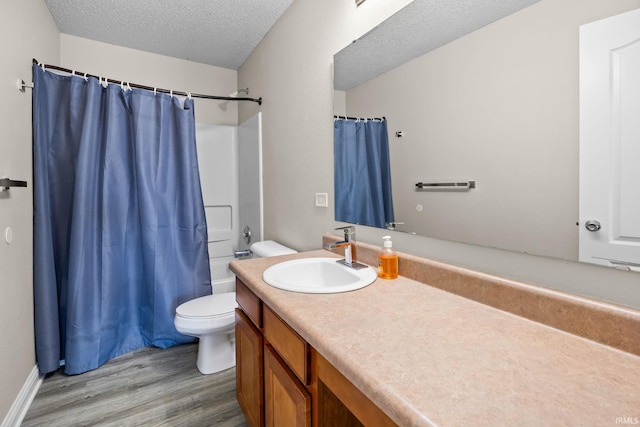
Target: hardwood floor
{"points": [[148, 387]]}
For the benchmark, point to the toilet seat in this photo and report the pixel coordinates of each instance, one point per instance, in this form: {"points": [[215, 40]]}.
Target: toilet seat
{"points": [[210, 306]]}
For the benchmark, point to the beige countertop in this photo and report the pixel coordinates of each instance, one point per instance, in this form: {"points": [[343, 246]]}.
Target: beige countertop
{"points": [[429, 357]]}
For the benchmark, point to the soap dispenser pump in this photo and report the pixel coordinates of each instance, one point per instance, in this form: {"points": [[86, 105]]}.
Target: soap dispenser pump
{"points": [[387, 260]]}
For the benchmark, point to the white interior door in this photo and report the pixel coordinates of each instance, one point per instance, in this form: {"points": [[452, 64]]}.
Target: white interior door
{"points": [[610, 141], [250, 179]]}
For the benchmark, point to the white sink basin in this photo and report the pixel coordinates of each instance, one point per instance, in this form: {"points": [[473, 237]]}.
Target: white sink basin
{"points": [[317, 276]]}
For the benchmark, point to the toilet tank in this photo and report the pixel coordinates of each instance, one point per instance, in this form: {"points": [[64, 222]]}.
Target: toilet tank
{"points": [[223, 280], [269, 248]]}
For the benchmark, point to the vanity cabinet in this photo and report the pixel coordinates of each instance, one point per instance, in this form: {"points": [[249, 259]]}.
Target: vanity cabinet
{"points": [[282, 381], [271, 366], [249, 369], [287, 402]]}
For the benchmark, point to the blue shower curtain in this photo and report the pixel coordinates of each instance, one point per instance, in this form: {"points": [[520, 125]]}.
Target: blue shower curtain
{"points": [[362, 172], [120, 236]]}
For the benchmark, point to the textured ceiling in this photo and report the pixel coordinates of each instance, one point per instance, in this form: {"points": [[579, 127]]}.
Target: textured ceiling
{"points": [[225, 32], [215, 32], [420, 27]]}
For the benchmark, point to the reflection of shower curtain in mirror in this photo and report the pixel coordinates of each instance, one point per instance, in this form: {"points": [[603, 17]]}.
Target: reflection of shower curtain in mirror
{"points": [[120, 237], [362, 173]]}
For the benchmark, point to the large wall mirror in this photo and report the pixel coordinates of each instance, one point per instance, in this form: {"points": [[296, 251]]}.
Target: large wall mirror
{"points": [[484, 92]]}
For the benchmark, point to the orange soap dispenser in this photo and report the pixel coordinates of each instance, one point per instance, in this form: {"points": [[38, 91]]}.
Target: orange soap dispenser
{"points": [[387, 260]]}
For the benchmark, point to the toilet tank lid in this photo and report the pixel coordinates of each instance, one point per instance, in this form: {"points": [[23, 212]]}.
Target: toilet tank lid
{"points": [[268, 248], [209, 306]]}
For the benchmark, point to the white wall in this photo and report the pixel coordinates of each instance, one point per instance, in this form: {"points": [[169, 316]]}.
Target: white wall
{"points": [[26, 31], [292, 70], [150, 69]]}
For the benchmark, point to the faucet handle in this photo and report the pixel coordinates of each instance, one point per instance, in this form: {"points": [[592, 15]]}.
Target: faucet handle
{"points": [[349, 230]]}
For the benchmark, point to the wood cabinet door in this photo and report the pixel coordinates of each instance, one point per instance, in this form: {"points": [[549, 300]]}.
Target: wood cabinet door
{"points": [[287, 402], [249, 370]]}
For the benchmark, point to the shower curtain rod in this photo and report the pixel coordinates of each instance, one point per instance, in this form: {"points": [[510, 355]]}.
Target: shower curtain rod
{"points": [[139, 86], [360, 118]]}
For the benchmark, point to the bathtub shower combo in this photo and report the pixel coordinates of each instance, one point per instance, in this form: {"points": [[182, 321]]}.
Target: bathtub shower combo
{"points": [[232, 195]]}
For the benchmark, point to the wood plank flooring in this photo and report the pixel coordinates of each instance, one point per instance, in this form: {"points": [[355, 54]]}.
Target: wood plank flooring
{"points": [[147, 387]]}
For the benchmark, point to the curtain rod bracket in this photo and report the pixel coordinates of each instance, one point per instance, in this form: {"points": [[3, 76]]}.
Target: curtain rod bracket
{"points": [[21, 85]]}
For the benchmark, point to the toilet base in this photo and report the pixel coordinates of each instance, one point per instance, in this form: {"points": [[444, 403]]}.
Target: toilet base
{"points": [[216, 353]]}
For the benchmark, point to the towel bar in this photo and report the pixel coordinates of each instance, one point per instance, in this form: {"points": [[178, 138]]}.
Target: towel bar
{"points": [[461, 185]]}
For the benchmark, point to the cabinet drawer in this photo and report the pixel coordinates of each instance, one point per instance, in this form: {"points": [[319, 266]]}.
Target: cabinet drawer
{"points": [[249, 302], [289, 345]]}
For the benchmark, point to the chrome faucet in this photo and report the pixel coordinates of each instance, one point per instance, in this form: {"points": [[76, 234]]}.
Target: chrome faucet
{"points": [[349, 245], [243, 254]]}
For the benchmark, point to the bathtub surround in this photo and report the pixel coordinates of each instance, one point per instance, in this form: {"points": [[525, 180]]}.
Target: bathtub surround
{"points": [[218, 162]]}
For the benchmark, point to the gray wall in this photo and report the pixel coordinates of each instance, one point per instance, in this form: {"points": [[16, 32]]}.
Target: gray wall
{"points": [[26, 31]]}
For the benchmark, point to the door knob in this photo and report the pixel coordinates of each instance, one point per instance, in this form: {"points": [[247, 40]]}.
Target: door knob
{"points": [[592, 225]]}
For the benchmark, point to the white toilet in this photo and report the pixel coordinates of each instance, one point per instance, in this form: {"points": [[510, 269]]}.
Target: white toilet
{"points": [[212, 319]]}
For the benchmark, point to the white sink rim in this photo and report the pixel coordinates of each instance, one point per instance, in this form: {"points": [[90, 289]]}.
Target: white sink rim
{"points": [[318, 275]]}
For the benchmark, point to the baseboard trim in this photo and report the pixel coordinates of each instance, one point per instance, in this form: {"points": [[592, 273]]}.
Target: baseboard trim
{"points": [[24, 399]]}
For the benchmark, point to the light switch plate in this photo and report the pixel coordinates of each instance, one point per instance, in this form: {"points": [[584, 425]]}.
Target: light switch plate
{"points": [[322, 200]]}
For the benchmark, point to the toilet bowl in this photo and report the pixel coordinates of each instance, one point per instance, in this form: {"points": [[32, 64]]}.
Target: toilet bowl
{"points": [[212, 319]]}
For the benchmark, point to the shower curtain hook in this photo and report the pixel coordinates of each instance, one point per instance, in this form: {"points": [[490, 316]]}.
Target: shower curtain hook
{"points": [[73, 72], [85, 77], [42, 65], [129, 86], [155, 91], [171, 93], [189, 95]]}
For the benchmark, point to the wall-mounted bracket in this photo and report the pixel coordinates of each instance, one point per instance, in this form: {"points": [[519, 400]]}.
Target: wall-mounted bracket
{"points": [[21, 85], [6, 183]]}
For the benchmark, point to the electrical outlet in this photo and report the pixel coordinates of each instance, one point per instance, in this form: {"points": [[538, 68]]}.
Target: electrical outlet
{"points": [[322, 200]]}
